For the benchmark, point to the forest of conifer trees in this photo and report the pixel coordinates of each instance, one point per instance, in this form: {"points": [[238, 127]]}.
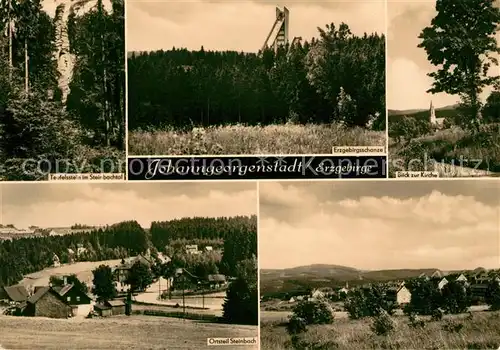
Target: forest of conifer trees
{"points": [[62, 87], [239, 242], [330, 89]]}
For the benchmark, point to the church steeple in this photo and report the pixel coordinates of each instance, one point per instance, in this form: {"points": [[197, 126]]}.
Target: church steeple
{"points": [[432, 113]]}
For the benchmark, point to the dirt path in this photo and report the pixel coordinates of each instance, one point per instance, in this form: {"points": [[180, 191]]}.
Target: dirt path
{"points": [[211, 301]]}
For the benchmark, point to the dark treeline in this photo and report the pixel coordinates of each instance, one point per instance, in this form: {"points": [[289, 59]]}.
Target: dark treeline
{"points": [[26, 255], [238, 234], [166, 232], [339, 77], [38, 120]]}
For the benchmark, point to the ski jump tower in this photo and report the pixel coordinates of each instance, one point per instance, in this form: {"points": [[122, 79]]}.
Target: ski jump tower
{"points": [[278, 36]]}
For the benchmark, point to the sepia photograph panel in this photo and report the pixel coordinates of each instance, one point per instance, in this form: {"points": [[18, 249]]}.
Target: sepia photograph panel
{"points": [[380, 264], [255, 77], [443, 88], [128, 266], [62, 88]]}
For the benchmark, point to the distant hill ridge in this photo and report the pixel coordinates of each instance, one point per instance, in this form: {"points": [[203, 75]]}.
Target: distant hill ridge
{"points": [[396, 112], [302, 277], [443, 112]]}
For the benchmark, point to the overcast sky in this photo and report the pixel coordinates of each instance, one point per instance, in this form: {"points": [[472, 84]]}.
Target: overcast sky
{"points": [[62, 205], [240, 25], [380, 225], [407, 64]]}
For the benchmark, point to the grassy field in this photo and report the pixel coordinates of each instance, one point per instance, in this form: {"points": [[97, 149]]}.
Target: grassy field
{"points": [[481, 331], [83, 270], [450, 145], [241, 139], [120, 332]]}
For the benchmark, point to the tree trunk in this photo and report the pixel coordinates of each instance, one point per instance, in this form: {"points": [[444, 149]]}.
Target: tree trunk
{"points": [[105, 112], [10, 39], [26, 66]]}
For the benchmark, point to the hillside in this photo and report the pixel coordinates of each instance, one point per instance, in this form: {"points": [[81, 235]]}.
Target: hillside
{"points": [[314, 276], [443, 112]]}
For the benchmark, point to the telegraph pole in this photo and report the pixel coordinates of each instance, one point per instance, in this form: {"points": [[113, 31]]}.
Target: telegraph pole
{"points": [[183, 299], [159, 287]]}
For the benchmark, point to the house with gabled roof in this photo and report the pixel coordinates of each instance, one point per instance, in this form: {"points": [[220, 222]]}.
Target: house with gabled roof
{"points": [[400, 294], [46, 302], [443, 282], [437, 274], [81, 303], [14, 294], [216, 280], [110, 308], [192, 249], [56, 262]]}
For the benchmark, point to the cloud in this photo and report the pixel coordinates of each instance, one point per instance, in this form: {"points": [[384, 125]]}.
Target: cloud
{"points": [[115, 202], [408, 84], [380, 232], [231, 25]]}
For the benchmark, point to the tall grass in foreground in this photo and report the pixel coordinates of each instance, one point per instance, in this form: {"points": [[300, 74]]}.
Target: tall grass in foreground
{"points": [[481, 331], [242, 139], [449, 146]]}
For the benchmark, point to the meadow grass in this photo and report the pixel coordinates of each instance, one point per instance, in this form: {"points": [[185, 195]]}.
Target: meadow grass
{"points": [[114, 333], [456, 151], [479, 331], [242, 139]]}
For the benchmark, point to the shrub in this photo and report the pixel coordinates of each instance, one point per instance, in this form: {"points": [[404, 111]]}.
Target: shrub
{"points": [[493, 295], [415, 321], [455, 297], [452, 326], [425, 297], [382, 324], [437, 314], [368, 302], [296, 325], [314, 312]]}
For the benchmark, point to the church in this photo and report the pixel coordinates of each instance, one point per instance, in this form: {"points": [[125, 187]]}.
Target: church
{"points": [[439, 122]]}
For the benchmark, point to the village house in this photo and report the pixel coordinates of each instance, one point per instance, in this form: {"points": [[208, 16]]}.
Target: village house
{"points": [[400, 295], [216, 281], [79, 301], [192, 249], [55, 261], [317, 294], [121, 272], [110, 308], [46, 302], [63, 231], [209, 248], [9, 232], [344, 290], [443, 282], [162, 258], [461, 278], [80, 249], [13, 295]]}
